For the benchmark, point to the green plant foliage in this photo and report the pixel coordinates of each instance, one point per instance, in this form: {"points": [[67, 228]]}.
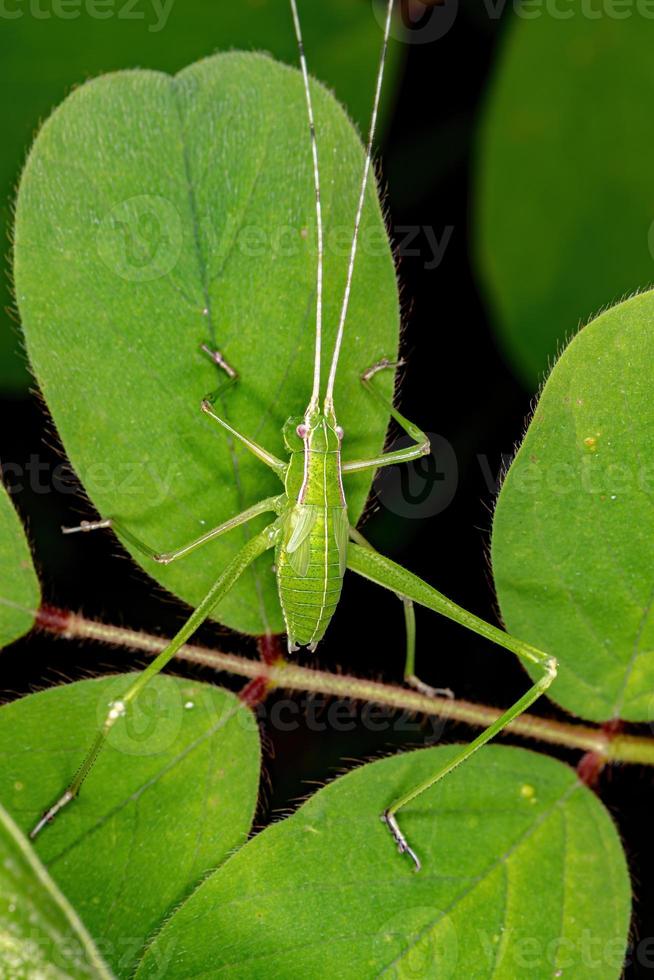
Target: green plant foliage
{"points": [[573, 529], [169, 798], [20, 594], [342, 43], [523, 875], [40, 934], [147, 201], [564, 190]]}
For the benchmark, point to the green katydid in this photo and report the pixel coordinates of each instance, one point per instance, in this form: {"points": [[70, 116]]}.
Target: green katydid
{"points": [[311, 535]]}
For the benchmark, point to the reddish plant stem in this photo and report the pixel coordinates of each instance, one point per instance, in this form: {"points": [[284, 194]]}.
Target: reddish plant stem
{"points": [[600, 743]]}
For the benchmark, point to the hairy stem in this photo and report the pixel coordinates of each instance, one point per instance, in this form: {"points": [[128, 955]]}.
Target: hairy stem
{"points": [[607, 744]]}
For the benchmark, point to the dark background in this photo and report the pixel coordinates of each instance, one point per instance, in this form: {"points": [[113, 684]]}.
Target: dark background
{"points": [[456, 385]]}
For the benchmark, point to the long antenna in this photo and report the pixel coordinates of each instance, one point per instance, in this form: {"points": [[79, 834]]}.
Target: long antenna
{"points": [[315, 394], [329, 394]]}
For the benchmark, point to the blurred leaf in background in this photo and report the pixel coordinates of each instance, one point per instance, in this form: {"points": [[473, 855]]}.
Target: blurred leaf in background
{"points": [[19, 586], [565, 196], [573, 527], [47, 49], [41, 935]]}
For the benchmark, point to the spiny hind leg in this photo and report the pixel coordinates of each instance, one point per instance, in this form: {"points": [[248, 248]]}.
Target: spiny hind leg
{"points": [[389, 575], [119, 707]]}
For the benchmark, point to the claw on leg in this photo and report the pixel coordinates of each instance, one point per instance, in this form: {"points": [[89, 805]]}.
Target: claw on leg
{"points": [[428, 690], [381, 366], [218, 359], [402, 843], [50, 814], [87, 526]]}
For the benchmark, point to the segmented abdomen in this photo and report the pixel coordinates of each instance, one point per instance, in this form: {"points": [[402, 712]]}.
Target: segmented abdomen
{"points": [[308, 600]]}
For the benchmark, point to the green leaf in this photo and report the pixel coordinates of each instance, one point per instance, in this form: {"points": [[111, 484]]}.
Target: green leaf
{"points": [[523, 874], [573, 528], [147, 200], [564, 189], [40, 934], [341, 38], [20, 595], [168, 799]]}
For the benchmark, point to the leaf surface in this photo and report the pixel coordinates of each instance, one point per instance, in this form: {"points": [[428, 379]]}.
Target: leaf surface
{"points": [[341, 39], [157, 213], [20, 594], [564, 191], [574, 523], [168, 799], [523, 874], [40, 934]]}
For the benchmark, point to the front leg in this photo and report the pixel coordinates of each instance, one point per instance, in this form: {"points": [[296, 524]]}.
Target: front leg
{"points": [[422, 446], [209, 401]]}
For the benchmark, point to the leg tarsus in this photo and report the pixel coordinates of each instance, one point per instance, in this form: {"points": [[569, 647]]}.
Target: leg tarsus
{"points": [[381, 365], [427, 689], [108, 522], [388, 817], [84, 526], [50, 814], [218, 359]]}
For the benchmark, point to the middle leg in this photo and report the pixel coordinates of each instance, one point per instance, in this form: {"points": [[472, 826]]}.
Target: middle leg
{"points": [[410, 676]]}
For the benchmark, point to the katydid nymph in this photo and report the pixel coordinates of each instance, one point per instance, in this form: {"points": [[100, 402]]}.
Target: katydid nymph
{"points": [[310, 532]]}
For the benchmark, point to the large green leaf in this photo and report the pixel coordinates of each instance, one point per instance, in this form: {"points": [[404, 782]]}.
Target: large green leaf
{"points": [[40, 934], [147, 201], [564, 189], [342, 43], [20, 594], [168, 799], [523, 875], [574, 525]]}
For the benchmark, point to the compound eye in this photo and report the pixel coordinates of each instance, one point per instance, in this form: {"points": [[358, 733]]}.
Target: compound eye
{"points": [[302, 431], [339, 432]]}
